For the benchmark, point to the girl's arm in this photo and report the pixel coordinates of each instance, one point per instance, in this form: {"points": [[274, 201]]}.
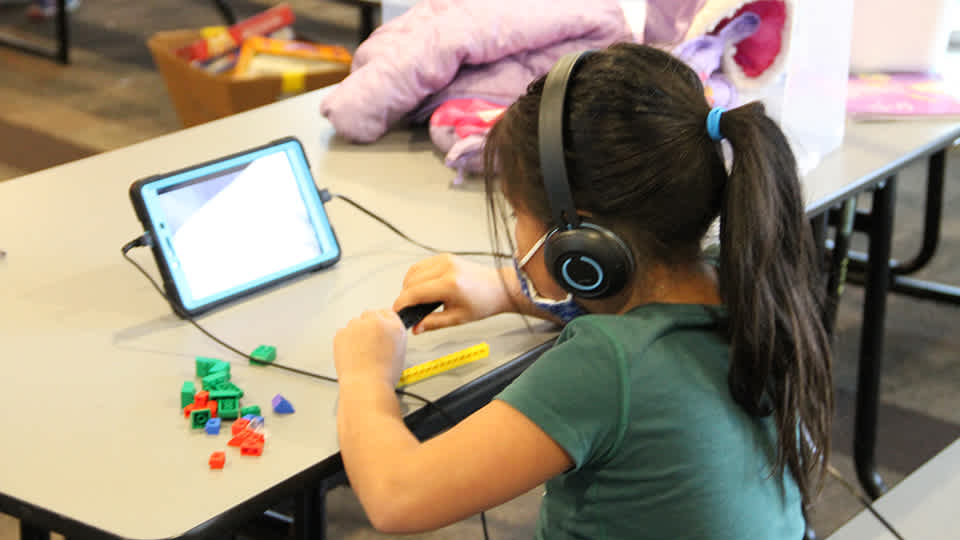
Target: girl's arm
{"points": [[406, 486]]}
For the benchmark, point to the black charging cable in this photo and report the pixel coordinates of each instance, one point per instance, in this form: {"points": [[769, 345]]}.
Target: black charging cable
{"points": [[410, 315], [326, 196]]}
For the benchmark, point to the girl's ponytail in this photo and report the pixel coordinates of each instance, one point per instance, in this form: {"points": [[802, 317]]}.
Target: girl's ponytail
{"points": [[769, 280]]}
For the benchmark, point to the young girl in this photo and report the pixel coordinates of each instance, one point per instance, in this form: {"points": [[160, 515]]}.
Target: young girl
{"points": [[694, 403]]}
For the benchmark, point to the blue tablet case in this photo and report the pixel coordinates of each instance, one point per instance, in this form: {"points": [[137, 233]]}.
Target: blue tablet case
{"points": [[229, 227]]}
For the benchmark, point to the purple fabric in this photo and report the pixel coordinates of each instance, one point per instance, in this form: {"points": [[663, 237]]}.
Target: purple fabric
{"points": [[668, 20], [444, 49], [704, 53]]}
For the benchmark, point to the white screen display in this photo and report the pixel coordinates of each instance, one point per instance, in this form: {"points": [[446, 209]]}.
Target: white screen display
{"points": [[239, 226]]}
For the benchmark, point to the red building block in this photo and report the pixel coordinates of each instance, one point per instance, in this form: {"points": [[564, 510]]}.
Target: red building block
{"points": [[217, 459], [201, 398], [238, 439], [212, 405], [239, 425], [189, 409], [251, 448]]}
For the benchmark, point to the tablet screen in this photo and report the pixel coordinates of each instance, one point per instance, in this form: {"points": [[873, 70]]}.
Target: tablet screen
{"points": [[227, 227]]}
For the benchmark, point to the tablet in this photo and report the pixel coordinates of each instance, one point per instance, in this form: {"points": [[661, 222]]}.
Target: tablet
{"points": [[229, 227]]}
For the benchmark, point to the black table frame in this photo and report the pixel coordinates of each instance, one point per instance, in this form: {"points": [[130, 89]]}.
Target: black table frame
{"points": [[62, 52], [881, 275]]}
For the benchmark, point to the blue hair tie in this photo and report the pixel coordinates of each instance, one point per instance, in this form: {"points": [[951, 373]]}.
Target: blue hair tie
{"points": [[713, 123]]}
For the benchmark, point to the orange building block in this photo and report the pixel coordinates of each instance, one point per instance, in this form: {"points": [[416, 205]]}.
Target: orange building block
{"points": [[238, 439], [189, 409], [212, 405], [201, 398], [217, 459], [239, 425], [251, 447]]}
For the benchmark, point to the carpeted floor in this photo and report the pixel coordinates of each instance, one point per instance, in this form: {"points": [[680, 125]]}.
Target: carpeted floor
{"points": [[112, 97]]}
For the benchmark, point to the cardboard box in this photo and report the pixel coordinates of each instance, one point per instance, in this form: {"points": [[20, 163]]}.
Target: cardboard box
{"points": [[199, 96]]}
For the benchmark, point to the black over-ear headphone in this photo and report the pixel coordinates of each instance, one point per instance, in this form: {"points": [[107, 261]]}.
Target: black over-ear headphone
{"points": [[587, 260]]}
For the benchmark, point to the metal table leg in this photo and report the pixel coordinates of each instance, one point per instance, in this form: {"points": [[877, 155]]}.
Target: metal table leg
{"points": [[31, 532], [839, 259], [226, 12], [871, 338], [819, 227], [931, 236], [936, 170], [366, 21], [310, 514], [61, 53]]}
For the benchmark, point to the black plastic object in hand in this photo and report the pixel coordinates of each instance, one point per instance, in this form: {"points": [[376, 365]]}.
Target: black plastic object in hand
{"points": [[411, 315]]}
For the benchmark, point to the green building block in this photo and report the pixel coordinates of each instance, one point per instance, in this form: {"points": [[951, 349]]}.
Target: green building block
{"points": [[213, 379], [218, 367], [225, 394], [228, 408], [199, 417], [250, 409], [229, 386], [204, 364], [186, 393], [263, 354]]}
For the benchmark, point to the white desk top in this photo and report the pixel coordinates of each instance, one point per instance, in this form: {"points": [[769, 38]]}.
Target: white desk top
{"points": [[923, 506], [93, 358], [872, 150]]}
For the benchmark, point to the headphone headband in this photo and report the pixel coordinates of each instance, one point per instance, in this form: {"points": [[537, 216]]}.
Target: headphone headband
{"points": [[553, 163], [587, 260]]}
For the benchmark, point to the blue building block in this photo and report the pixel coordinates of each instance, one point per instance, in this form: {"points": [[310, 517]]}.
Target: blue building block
{"points": [[213, 426], [281, 405]]}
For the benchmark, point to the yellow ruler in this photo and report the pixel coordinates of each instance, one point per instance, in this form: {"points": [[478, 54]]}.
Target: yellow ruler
{"points": [[444, 363]]}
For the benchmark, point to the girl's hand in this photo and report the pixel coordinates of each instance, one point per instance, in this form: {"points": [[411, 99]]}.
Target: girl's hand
{"points": [[469, 291], [371, 346]]}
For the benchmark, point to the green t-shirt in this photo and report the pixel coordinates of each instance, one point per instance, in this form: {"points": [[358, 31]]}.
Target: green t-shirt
{"points": [[660, 449]]}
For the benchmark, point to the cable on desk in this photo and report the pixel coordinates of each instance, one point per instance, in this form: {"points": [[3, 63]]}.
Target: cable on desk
{"points": [[246, 356], [144, 240], [326, 196], [863, 500]]}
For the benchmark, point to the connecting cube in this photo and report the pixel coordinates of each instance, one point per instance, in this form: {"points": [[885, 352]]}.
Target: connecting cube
{"points": [[213, 426], [264, 354], [281, 405], [186, 393], [203, 365], [217, 459], [199, 417]]}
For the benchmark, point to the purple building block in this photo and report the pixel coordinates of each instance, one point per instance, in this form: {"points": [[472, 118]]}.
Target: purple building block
{"points": [[281, 405]]}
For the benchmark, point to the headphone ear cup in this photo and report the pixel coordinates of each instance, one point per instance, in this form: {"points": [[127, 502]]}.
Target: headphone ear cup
{"points": [[589, 261]]}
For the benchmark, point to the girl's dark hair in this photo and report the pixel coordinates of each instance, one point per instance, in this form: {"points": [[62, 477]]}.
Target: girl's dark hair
{"points": [[640, 160]]}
